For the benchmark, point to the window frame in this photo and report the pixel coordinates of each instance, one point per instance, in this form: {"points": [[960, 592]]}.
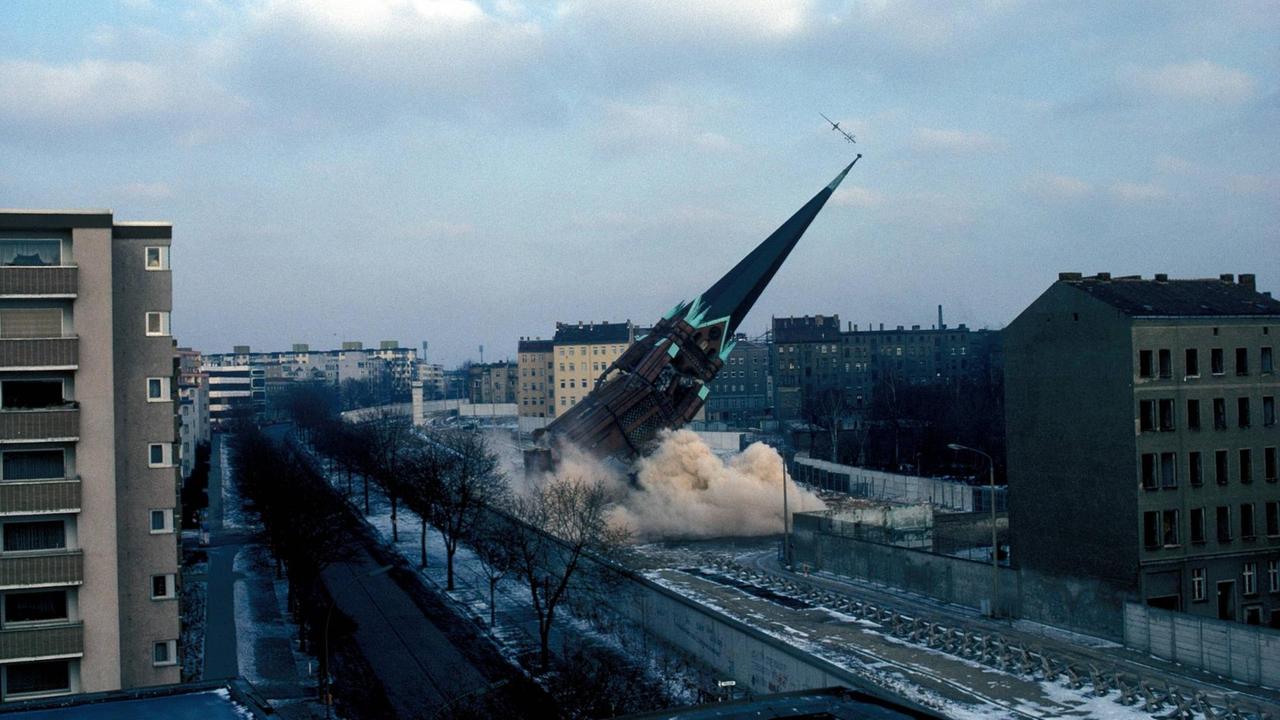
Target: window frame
{"points": [[162, 258], [170, 650], [166, 525], [1249, 578], [6, 623], [163, 318], [166, 455], [1199, 582], [170, 587], [166, 389], [4, 453]]}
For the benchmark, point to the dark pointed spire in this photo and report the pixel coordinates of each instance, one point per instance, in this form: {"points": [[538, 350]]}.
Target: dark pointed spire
{"points": [[733, 295]]}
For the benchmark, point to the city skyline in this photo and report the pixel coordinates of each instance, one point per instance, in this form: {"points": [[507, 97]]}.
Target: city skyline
{"points": [[525, 160]]}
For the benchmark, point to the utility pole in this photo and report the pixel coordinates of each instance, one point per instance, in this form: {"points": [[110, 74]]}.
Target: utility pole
{"points": [[786, 517], [995, 542]]}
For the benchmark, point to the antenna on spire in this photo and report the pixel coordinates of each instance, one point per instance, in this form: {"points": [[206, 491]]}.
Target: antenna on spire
{"points": [[836, 127]]}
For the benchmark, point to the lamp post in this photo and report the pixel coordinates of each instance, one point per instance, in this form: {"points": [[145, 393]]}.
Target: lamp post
{"points": [[786, 517], [995, 542]]}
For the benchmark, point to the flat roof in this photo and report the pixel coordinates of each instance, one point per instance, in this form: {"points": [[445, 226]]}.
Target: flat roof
{"points": [[200, 701]]}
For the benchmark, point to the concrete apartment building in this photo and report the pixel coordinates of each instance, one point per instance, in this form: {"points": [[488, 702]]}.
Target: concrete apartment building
{"points": [[536, 367], [495, 382], [584, 351], [88, 481], [235, 391], [742, 391], [813, 353], [1142, 440], [193, 408]]}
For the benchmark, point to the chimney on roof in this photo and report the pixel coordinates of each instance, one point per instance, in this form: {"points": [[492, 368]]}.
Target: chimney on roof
{"points": [[1249, 281], [1227, 277], [1162, 277], [881, 327], [1069, 276], [915, 327], [1103, 276], [941, 326]]}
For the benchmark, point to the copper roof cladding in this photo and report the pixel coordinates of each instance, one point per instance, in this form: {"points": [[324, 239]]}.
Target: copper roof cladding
{"points": [[1161, 297]]}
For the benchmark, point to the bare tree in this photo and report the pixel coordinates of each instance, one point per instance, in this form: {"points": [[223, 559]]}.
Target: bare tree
{"points": [[557, 522], [425, 463], [826, 408], [469, 485], [386, 439], [490, 540]]}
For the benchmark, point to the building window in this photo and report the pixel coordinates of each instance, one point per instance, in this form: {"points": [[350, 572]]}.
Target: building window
{"points": [[37, 678], [31, 394], [1273, 518], [33, 465], [1220, 466], [161, 521], [1193, 414], [1267, 364], [35, 607], [163, 587], [1269, 464], [1246, 465], [1269, 410], [1165, 408], [1224, 524], [1197, 525], [165, 653], [1249, 579], [1192, 363], [1216, 364], [1246, 521], [37, 535], [1149, 481], [1146, 368], [1242, 412], [158, 389], [157, 323], [157, 258], [1195, 469], [1273, 576], [159, 455], [1197, 584], [1242, 361], [1169, 528], [1219, 413], [1166, 364], [1151, 529], [1168, 470], [31, 252], [1147, 415]]}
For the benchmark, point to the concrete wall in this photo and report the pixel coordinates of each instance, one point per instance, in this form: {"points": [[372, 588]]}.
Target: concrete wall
{"points": [[881, 485], [139, 487], [95, 461], [1082, 605], [1247, 653]]}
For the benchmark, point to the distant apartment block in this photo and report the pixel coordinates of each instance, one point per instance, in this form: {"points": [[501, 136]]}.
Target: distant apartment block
{"points": [[352, 361], [742, 391], [582, 353], [235, 392], [1142, 440], [88, 479], [492, 382], [193, 407], [535, 396], [813, 353]]}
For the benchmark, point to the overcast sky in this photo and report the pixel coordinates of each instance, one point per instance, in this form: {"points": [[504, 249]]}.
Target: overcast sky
{"points": [[469, 173]]}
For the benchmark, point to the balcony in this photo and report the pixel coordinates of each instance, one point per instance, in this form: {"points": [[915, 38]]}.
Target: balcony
{"points": [[42, 425], [38, 281], [34, 497], [45, 568], [39, 353], [42, 642]]}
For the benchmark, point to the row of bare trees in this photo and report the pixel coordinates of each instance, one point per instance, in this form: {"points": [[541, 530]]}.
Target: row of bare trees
{"points": [[452, 481]]}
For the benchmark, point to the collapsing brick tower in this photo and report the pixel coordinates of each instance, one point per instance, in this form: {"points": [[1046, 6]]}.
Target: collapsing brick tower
{"points": [[661, 381]]}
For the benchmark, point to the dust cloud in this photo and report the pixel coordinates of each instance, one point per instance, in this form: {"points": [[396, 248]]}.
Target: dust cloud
{"points": [[684, 490]]}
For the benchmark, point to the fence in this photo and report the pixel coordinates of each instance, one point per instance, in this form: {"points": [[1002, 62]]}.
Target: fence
{"points": [[1247, 653], [881, 485]]}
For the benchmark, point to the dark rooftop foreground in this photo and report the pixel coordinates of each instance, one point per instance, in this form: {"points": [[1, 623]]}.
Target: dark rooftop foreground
{"points": [[193, 701], [1160, 296]]}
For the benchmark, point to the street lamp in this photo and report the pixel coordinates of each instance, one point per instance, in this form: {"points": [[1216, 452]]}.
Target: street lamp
{"points": [[995, 543]]}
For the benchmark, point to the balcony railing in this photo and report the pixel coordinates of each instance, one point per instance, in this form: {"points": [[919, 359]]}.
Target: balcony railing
{"points": [[43, 641], [43, 568], [28, 497], [36, 353], [38, 281], [60, 423]]}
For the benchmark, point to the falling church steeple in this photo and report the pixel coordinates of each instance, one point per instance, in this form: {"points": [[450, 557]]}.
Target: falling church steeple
{"points": [[661, 381]]}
